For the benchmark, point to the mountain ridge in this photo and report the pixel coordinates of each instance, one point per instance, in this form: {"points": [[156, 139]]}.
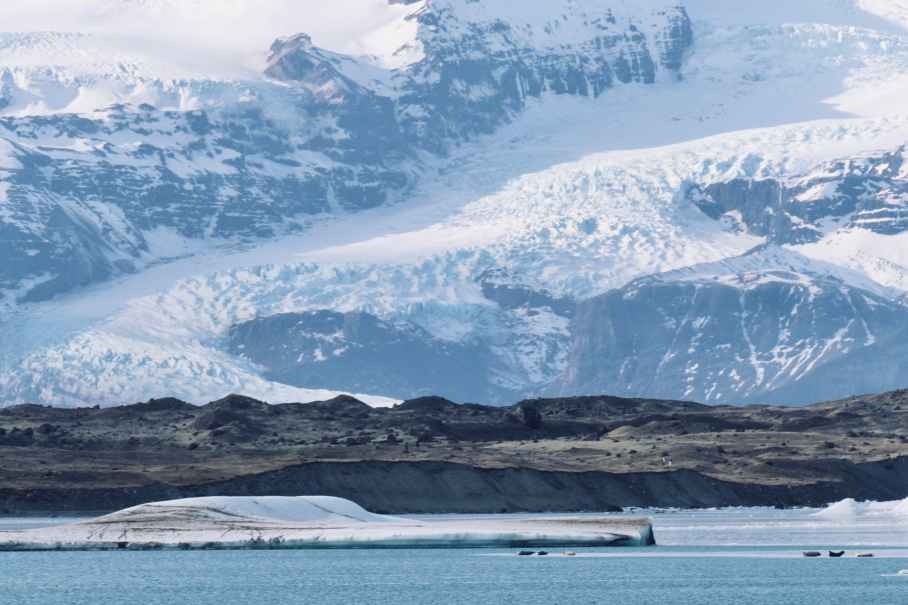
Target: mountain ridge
{"points": [[459, 176], [432, 455]]}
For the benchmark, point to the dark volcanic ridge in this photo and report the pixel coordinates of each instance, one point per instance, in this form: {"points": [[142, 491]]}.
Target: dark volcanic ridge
{"points": [[432, 455]]}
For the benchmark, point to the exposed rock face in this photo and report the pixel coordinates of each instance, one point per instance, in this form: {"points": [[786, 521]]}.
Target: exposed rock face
{"points": [[735, 338], [490, 66], [71, 218], [479, 70], [861, 192], [752, 328], [363, 124], [531, 417], [507, 290], [359, 352], [883, 363], [445, 487]]}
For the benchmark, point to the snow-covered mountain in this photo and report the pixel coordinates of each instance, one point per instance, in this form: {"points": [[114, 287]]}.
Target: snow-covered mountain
{"points": [[735, 330], [479, 200], [88, 195]]}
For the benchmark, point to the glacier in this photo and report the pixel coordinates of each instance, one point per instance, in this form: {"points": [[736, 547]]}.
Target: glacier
{"points": [[464, 178]]}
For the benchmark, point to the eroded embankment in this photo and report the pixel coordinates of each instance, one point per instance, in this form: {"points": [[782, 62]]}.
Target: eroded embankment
{"points": [[435, 487]]}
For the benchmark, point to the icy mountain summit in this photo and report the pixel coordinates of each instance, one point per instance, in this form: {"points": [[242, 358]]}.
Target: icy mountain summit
{"points": [[483, 200], [318, 132]]}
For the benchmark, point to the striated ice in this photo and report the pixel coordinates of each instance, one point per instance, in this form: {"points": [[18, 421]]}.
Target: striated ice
{"points": [[317, 509], [314, 522]]}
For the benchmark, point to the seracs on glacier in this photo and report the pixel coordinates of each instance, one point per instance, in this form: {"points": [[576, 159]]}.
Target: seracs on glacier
{"points": [[205, 182]]}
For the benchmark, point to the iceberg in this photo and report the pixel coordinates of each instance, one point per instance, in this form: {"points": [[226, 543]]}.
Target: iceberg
{"points": [[849, 507], [284, 522]]}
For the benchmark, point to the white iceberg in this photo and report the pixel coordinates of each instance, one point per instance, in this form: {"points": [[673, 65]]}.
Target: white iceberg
{"points": [[275, 522], [849, 507]]}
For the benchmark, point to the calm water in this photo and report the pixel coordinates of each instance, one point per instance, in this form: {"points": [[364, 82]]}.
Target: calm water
{"points": [[718, 557]]}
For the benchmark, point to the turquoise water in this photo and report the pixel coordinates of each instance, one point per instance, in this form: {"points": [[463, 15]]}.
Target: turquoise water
{"points": [[744, 556], [404, 577]]}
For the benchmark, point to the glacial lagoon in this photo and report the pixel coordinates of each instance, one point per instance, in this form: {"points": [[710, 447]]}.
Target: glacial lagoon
{"points": [[707, 557]]}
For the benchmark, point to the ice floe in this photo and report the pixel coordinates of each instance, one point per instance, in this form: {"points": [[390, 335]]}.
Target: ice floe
{"points": [[282, 522], [849, 507]]}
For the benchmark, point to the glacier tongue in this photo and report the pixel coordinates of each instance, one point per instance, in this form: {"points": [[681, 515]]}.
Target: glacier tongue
{"points": [[435, 170], [564, 230]]}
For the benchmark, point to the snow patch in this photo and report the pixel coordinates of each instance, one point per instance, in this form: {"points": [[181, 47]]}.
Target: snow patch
{"points": [[300, 509]]}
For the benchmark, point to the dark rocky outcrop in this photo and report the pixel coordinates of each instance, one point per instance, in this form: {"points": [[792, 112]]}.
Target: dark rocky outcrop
{"points": [[432, 455], [762, 336], [507, 289], [881, 364], [359, 352], [863, 192]]}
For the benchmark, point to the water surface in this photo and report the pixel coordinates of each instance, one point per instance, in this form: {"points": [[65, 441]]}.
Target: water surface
{"points": [[741, 556]]}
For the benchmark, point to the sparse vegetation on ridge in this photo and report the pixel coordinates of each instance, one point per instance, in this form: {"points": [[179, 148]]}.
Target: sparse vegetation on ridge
{"points": [[174, 445]]}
